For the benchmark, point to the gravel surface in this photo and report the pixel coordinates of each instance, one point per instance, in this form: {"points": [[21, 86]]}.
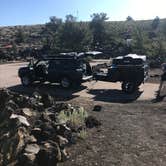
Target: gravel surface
{"points": [[93, 90]]}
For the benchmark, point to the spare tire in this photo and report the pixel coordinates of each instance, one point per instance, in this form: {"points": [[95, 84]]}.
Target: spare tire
{"points": [[65, 82]]}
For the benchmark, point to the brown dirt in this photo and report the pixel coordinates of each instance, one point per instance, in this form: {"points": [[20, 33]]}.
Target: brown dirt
{"points": [[131, 134]]}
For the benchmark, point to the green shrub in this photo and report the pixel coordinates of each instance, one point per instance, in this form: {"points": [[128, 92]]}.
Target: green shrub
{"points": [[75, 116]]}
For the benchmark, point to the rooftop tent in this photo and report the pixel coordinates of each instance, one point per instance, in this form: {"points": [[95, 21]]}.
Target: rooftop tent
{"points": [[69, 53], [132, 59], [135, 56], [93, 52]]}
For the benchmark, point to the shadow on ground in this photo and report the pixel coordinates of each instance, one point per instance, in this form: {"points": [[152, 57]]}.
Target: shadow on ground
{"points": [[114, 95], [54, 90], [111, 95]]}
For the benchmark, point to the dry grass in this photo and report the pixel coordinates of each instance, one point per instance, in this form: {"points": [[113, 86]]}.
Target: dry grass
{"points": [[75, 116], [82, 134]]}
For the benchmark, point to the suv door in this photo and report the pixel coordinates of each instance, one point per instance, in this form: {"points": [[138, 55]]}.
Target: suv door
{"points": [[40, 69], [52, 71]]}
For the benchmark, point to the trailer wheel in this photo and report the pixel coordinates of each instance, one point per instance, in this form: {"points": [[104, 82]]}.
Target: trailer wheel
{"points": [[129, 87]]}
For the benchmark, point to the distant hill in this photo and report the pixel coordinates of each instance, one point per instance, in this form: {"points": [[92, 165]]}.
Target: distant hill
{"points": [[31, 33], [145, 39]]}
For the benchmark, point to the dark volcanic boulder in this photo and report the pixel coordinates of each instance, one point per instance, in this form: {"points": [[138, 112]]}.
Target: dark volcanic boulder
{"points": [[32, 132], [91, 122], [49, 154]]}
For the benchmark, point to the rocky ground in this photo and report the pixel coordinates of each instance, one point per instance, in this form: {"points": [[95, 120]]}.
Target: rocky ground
{"points": [[35, 131]]}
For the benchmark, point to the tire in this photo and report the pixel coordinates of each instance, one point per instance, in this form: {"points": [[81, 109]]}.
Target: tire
{"points": [[76, 84], [65, 82], [25, 80], [129, 87]]}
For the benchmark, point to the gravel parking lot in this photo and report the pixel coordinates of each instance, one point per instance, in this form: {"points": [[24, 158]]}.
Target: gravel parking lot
{"points": [[92, 90]]}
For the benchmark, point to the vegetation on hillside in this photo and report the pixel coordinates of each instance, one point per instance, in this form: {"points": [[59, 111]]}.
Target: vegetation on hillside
{"points": [[113, 38]]}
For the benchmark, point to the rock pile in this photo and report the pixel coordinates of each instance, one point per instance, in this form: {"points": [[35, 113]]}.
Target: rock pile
{"points": [[36, 130]]}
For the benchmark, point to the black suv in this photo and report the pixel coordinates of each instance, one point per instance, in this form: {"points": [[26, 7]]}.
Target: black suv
{"points": [[66, 69]]}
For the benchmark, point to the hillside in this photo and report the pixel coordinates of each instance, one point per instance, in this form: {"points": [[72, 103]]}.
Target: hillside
{"points": [[144, 37]]}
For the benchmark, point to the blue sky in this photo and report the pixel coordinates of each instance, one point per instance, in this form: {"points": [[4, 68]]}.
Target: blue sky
{"points": [[25, 12]]}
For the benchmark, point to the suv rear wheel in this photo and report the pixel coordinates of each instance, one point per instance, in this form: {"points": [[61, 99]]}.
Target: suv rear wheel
{"points": [[129, 87], [25, 80], [65, 82]]}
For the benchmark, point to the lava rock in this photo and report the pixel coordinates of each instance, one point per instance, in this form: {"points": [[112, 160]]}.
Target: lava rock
{"points": [[21, 119], [32, 148], [47, 100], [49, 154], [30, 133], [97, 108], [91, 122]]}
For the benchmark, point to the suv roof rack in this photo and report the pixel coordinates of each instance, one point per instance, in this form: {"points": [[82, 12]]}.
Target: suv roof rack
{"points": [[69, 55], [62, 56]]}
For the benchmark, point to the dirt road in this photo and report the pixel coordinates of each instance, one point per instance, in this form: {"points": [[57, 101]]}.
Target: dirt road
{"points": [[103, 91], [9, 74]]}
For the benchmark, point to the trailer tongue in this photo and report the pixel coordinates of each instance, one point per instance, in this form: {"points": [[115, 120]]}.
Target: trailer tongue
{"points": [[131, 70]]}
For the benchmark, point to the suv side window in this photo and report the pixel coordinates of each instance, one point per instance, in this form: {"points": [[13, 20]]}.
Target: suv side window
{"points": [[63, 64], [59, 64], [52, 64], [67, 64]]}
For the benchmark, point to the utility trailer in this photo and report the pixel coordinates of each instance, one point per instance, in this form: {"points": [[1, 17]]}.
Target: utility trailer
{"points": [[131, 70]]}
